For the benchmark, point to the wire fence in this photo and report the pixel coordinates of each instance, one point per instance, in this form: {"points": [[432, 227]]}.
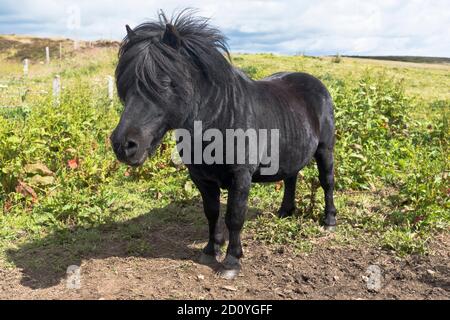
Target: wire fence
{"points": [[17, 94], [16, 90]]}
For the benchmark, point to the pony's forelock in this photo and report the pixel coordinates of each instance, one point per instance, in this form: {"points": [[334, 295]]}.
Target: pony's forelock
{"points": [[144, 58]]}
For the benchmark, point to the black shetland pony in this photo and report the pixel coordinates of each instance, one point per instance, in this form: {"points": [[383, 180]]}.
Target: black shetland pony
{"points": [[172, 73]]}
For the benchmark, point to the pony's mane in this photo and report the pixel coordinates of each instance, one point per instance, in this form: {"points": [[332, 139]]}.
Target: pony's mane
{"points": [[144, 57]]}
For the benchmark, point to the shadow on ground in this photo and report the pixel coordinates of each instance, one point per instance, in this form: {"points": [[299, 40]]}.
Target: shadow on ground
{"points": [[177, 231]]}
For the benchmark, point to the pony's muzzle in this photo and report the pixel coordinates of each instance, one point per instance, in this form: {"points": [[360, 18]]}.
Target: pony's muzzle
{"points": [[125, 151]]}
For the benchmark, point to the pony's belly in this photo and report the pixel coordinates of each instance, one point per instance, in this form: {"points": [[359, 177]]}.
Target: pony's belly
{"points": [[290, 163], [258, 178], [283, 173]]}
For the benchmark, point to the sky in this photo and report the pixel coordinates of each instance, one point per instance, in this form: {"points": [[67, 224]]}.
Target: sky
{"points": [[313, 27]]}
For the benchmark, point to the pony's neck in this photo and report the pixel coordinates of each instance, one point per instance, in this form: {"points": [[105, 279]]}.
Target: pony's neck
{"points": [[219, 104]]}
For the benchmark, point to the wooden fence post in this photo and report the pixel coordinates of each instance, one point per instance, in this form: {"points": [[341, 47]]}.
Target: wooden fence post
{"points": [[110, 88], [56, 89], [25, 67], [47, 55]]}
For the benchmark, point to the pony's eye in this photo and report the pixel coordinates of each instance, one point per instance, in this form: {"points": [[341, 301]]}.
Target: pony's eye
{"points": [[166, 82]]}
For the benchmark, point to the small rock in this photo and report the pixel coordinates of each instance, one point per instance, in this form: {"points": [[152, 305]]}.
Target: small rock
{"points": [[431, 272], [42, 180], [229, 288], [38, 168], [336, 278], [201, 277]]}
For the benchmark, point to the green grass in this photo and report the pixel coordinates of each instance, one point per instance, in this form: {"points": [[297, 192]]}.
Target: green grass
{"points": [[427, 82], [391, 162]]}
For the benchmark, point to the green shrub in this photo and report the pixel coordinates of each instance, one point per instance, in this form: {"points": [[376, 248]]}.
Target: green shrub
{"points": [[379, 148]]}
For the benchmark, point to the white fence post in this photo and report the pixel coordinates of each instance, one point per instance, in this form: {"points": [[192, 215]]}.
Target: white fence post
{"points": [[110, 88], [47, 55], [25, 67], [56, 89]]}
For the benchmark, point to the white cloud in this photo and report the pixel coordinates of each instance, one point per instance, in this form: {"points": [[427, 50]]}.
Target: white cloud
{"points": [[409, 27]]}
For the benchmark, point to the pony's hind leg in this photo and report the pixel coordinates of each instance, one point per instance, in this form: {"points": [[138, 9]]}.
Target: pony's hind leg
{"points": [[288, 205], [324, 159]]}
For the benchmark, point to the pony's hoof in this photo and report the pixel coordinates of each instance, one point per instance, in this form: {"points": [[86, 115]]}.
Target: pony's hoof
{"points": [[230, 268], [330, 228], [282, 213], [208, 259], [229, 274]]}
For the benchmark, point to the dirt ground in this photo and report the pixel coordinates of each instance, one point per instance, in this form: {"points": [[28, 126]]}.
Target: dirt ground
{"points": [[269, 272]]}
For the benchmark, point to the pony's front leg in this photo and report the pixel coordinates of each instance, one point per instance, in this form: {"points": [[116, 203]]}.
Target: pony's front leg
{"points": [[234, 220], [210, 192]]}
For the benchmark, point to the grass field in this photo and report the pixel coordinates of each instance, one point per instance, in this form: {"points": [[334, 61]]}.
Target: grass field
{"points": [[60, 181]]}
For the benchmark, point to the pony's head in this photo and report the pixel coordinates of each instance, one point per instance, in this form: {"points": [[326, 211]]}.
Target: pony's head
{"points": [[165, 68]]}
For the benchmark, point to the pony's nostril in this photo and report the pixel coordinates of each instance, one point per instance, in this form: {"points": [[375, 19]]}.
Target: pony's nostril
{"points": [[130, 148]]}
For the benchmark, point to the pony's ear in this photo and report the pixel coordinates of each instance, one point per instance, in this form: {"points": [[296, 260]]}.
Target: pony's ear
{"points": [[171, 37], [130, 33]]}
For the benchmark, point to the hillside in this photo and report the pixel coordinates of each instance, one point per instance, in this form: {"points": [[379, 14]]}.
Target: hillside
{"points": [[415, 59], [17, 48]]}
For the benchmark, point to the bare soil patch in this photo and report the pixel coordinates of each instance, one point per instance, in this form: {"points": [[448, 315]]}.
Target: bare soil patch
{"points": [[143, 260]]}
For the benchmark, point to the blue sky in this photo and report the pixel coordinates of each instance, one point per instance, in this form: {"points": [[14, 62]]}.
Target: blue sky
{"points": [[384, 27]]}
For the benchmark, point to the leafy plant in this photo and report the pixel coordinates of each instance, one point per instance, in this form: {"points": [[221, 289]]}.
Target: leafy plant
{"points": [[392, 168]]}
